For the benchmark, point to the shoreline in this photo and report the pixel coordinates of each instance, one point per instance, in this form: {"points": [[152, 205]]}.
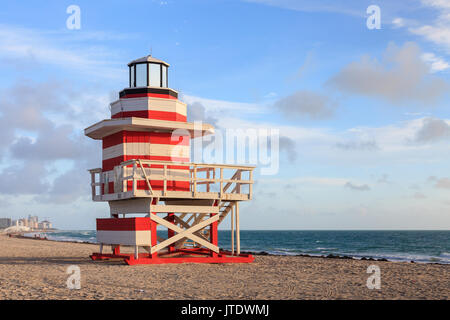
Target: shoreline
{"points": [[39, 270], [265, 253]]}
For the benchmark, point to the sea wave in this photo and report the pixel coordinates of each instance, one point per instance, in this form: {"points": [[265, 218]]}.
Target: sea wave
{"points": [[393, 257], [355, 247]]}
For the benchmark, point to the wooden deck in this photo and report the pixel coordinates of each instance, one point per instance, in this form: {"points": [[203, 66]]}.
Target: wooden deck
{"points": [[192, 216], [206, 181]]}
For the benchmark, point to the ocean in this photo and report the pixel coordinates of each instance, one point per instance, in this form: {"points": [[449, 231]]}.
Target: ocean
{"points": [[417, 246]]}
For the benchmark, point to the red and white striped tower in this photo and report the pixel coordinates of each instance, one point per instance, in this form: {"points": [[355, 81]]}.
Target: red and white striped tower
{"points": [[146, 169]]}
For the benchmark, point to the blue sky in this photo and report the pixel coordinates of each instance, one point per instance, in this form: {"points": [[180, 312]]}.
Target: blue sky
{"points": [[364, 113]]}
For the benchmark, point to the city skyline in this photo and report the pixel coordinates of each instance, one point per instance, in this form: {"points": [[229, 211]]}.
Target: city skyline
{"points": [[31, 222]]}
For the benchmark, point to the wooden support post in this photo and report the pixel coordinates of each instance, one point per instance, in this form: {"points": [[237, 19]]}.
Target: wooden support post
{"points": [[250, 186], [154, 237], [238, 238], [238, 185], [136, 252], [134, 178], [149, 186], [102, 182], [124, 181], [165, 180], [170, 232], [221, 183], [93, 184], [214, 235], [116, 249], [101, 248], [195, 181], [214, 175], [232, 229], [106, 183]]}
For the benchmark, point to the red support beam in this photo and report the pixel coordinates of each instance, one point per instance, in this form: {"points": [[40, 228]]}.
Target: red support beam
{"points": [[154, 237], [171, 254], [180, 256], [214, 235], [116, 250]]}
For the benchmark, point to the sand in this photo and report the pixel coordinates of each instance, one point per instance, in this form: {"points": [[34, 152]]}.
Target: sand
{"points": [[36, 269]]}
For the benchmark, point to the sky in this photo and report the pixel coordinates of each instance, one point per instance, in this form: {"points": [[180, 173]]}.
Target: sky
{"points": [[363, 114]]}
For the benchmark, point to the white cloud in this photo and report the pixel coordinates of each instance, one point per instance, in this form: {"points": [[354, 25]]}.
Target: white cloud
{"points": [[436, 31], [401, 77], [398, 22], [438, 34], [225, 107], [440, 183], [433, 130], [33, 146], [419, 195], [336, 6], [437, 3], [316, 181], [306, 104], [61, 49], [355, 144], [356, 187], [437, 64], [196, 112], [287, 145], [403, 137], [358, 145], [443, 183]]}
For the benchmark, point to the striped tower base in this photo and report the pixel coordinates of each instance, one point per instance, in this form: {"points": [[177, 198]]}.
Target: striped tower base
{"points": [[141, 232]]}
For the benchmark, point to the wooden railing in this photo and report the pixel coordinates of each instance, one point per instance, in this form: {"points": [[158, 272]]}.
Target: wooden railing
{"points": [[205, 180]]}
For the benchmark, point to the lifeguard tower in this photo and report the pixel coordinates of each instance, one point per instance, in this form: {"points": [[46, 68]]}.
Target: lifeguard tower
{"points": [[149, 182]]}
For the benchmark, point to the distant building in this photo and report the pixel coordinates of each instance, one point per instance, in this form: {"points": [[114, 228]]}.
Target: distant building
{"points": [[31, 222], [22, 222], [45, 225], [5, 223]]}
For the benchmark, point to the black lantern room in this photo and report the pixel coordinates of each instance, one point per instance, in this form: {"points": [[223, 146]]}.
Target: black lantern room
{"points": [[148, 72], [148, 76]]}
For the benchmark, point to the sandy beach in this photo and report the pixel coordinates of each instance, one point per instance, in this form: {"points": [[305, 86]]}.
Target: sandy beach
{"points": [[36, 269]]}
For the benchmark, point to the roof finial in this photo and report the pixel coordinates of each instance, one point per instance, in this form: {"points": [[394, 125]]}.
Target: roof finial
{"points": [[151, 51]]}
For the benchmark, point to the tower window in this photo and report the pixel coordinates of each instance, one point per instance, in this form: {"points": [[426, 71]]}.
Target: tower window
{"points": [[132, 84], [141, 75], [164, 76], [148, 71], [155, 75]]}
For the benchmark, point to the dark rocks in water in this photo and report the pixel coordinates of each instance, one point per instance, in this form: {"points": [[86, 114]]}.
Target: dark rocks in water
{"points": [[304, 255], [263, 253], [332, 256], [373, 259], [412, 261]]}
